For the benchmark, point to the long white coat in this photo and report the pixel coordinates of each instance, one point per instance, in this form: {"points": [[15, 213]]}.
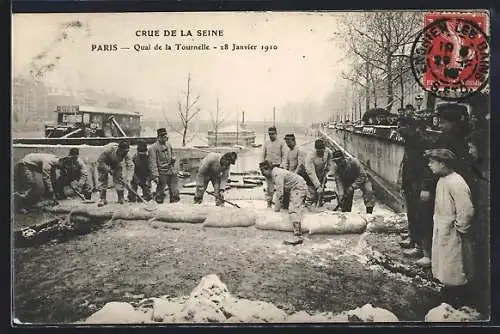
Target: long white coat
{"points": [[451, 242]]}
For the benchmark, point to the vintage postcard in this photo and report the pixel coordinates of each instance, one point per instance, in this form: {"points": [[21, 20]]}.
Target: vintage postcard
{"points": [[250, 167]]}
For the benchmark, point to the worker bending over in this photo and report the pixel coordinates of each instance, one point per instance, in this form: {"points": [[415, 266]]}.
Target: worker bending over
{"points": [[350, 175], [294, 187], [27, 168], [316, 166], [112, 161], [214, 168], [73, 173]]}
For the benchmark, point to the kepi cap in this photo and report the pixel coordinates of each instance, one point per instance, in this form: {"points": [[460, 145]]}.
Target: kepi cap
{"points": [[337, 155], [124, 146], [74, 151], [319, 144], [142, 147], [161, 132]]}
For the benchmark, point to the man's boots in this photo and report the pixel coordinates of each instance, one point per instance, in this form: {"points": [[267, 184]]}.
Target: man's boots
{"points": [[369, 209], [121, 196], [297, 235], [103, 200]]}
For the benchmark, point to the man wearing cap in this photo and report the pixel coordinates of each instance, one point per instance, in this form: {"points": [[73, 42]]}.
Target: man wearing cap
{"points": [[73, 172], [275, 152], [141, 176], [214, 168], [453, 137], [36, 163], [112, 161], [314, 170], [350, 175], [452, 254], [162, 168], [292, 186]]}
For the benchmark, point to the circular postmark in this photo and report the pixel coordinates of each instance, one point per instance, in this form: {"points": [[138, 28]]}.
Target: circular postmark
{"points": [[450, 58]]}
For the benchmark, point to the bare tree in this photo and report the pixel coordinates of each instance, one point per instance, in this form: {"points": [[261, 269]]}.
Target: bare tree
{"points": [[186, 113], [376, 39], [218, 119]]}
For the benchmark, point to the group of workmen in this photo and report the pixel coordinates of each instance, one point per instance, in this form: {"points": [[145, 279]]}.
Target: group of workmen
{"points": [[154, 164], [296, 178]]}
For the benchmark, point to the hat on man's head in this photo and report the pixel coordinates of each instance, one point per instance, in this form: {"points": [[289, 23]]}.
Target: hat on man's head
{"points": [[230, 157], [441, 154], [74, 151], [161, 132], [142, 147], [272, 129], [319, 144], [124, 146], [452, 112], [290, 136], [338, 155]]}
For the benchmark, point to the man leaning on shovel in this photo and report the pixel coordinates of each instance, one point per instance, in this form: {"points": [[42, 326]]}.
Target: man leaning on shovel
{"points": [[349, 175], [214, 168]]}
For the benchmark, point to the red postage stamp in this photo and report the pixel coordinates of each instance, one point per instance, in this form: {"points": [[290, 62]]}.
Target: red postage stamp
{"points": [[451, 55]]}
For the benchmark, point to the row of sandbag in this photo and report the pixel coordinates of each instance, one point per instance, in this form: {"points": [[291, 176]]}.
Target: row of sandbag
{"points": [[326, 222]]}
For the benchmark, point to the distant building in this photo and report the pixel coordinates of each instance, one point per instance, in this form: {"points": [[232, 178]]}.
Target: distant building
{"points": [[29, 101], [231, 135]]}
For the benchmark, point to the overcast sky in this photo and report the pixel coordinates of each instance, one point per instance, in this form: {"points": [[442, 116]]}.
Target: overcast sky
{"points": [[306, 65]]}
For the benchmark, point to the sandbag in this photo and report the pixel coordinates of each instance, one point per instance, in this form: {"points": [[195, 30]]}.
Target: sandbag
{"points": [[277, 221], [230, 217], [185, 213], [394, 223], [334, 223]]}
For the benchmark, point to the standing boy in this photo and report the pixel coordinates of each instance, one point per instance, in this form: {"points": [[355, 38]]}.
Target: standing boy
{"points": [[452, 256]]}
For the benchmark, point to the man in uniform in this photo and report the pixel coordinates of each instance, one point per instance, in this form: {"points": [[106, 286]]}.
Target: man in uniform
{"points": [[73, 172], [275, 152], [293, 156], [161, 167], [350, 175], [111, 161], [316, 166], [294, 187], [214, 168], [31, 164], [141, 176]]}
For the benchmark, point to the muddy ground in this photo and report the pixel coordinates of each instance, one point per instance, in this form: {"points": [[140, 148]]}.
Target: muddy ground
{"points": [[66, 282]]}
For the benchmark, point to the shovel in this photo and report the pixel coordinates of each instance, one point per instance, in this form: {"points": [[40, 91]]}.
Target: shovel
{"points": [[230, 203], [86, 201], [148, 207]]}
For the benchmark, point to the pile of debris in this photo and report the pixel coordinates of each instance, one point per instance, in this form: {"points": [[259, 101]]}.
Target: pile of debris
{"points": [[211, 302]]}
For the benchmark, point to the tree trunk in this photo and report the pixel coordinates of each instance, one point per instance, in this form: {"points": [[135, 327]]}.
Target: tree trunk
{"points": [[184, 133], [390, 91], [367, 87]]}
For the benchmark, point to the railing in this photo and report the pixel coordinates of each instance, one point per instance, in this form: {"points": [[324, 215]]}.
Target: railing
{"points": [[91, 141]]}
